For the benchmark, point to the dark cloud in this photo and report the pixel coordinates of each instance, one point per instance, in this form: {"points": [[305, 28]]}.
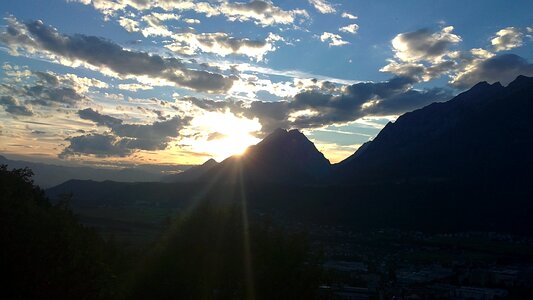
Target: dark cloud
{"points": [[45, 89], [12, 106], [47, 96], [151, 136], [160, 114], [123, 139], [391, 97], [100, 145], [104, 54], [503, 68], [47, 78], [96, 117]]}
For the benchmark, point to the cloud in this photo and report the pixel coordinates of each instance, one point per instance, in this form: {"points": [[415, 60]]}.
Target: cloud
{"points": [[80, 84], [156, 26], [49, 96], [261, 12], [215, 136], [133, 87], [506, 39], [45, 88], [222, 44], [502, 68], [352, 28], [191, 21], [129, 24], [99, 145], [107, 57], [155, 136], [348, 16], [13, 106], [424, 44], [333, 39], [424, 54], [314, 109], [47, 78], [96, 117], [323, 6]]}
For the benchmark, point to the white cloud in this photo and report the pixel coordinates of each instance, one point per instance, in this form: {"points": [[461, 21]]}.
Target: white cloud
{"points": [[261, 12], [134, 87], [506, 39], [424, 44], [81, 84], [352, 28], [129, 24], [156, 26], [191, 21], [333, 39], [424, 54], [349, 16], [222, 44], [323, 6]]}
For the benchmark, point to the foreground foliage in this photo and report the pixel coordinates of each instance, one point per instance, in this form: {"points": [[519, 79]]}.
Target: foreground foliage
{"points": [[45, 252], [210, 252]]}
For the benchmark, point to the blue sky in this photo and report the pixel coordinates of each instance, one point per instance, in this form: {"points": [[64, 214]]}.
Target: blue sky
{"points": [[166, 81]]}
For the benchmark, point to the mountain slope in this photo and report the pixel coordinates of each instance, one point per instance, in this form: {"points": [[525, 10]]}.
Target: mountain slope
{"points": [[193, 173], [481, 134]]}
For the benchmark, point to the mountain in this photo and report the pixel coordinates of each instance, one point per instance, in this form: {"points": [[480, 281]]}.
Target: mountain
{"points": [[47, 175], [191, 174], [282, 157], [460, 165], [482, 134]]}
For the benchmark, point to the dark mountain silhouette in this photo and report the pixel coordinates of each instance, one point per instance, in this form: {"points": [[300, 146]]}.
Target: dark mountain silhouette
{"points": [[283, 157], [47, 175], [465, 164], [482, 134], [193, 173]]}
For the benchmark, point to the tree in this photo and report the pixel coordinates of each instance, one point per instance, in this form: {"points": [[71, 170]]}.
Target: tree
{"points": [[46, 253]]}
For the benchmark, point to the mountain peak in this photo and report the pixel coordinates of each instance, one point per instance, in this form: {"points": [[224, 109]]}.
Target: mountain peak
{"points": [[295, 132], [210, 162], [480, 85], [284, 156], [521, 81], [279, 131]]}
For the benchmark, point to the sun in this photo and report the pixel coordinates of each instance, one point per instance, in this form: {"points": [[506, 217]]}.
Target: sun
{"points": [[227, 134]]}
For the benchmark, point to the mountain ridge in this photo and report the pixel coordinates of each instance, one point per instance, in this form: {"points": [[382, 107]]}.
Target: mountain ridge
{"points": [[451, 166]]}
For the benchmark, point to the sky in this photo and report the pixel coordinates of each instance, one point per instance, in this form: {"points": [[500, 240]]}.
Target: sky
{"points": [[132, 82]]}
